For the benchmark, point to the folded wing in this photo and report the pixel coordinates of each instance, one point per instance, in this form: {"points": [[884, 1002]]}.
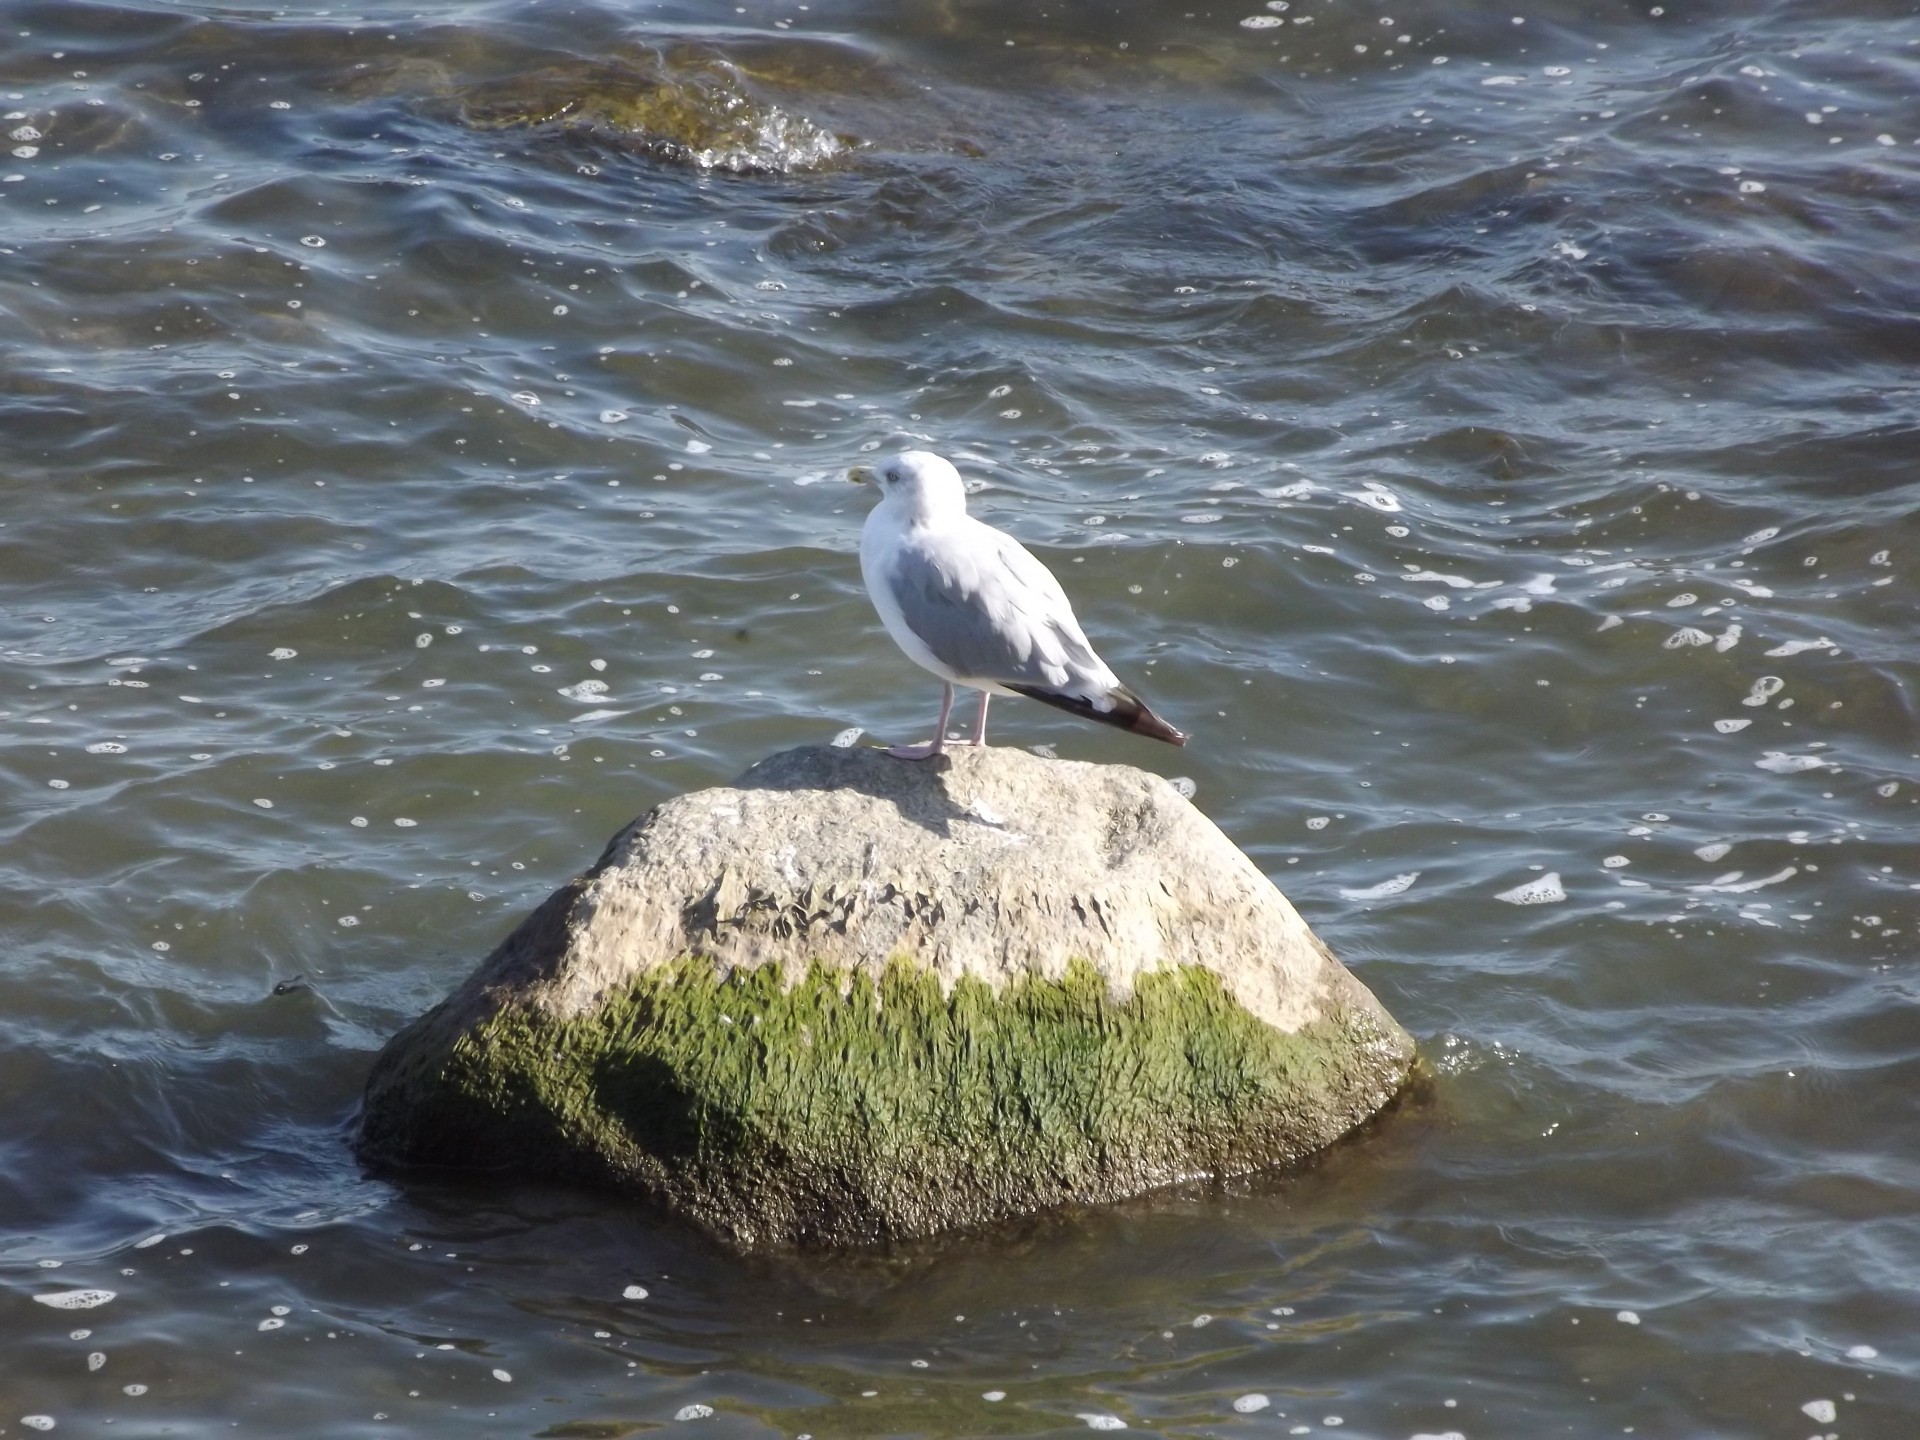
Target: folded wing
{"points": [[991, 612]]}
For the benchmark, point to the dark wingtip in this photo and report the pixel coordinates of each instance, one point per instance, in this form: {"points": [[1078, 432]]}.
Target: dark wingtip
{"points": [[1128, 712]]}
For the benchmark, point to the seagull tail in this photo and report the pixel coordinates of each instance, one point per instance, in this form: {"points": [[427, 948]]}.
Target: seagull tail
{"points": [[1125, 709]]}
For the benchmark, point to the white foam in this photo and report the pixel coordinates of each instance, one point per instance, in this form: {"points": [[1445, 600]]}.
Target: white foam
{"points": [[1727, 727], [36, 1422], [503, 1377], [1716, 851], [283, 652], [1764, 689], [1318, 822], [1862, 1352], [1261, 22], [1685, 597], [107, 747], [1627, 1317], [272, 1322], [1821, 1412], [693, 1412], [1434, 577], [586, 691], [1397, 885], [1781, 763], [74, 1299], [1685, 637], [634, 1292], [1251, 1404], [150, 1241], [1615, 862], [993, 1397], [1796, 647], [1732, 884], [847, 738], [1378, 496], [590, 717], [1095, 1421], [1544, 891], [1728, 638]]}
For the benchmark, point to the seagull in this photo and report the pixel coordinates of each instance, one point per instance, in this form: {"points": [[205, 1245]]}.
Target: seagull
{"points": [[972, 605]]}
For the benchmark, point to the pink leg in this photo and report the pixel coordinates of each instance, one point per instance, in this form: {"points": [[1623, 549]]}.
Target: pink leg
{"points": [[980, 729], [935, 746]]}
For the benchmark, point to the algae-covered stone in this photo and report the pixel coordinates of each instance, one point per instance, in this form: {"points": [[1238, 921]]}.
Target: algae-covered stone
{"points": [[691, 109], [851, 998]]}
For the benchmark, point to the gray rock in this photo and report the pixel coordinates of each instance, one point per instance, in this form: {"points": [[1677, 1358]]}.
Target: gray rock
{"points": [[851, 998]]}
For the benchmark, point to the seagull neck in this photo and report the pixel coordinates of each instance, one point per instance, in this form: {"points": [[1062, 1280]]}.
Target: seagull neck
{"points": [[920, 509]]}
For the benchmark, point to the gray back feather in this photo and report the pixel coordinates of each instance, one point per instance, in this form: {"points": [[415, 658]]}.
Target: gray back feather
{"points": [[994, 614]]}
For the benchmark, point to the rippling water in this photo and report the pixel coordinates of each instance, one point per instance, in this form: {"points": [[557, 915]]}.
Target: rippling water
{"points": [[1492, 433]]}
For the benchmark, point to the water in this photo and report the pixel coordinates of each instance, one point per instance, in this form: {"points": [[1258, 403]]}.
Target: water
{"points": [[1504, 467]]}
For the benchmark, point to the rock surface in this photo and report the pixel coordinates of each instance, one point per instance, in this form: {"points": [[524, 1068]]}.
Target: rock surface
{"points": [[851, 999], [690, 109]]}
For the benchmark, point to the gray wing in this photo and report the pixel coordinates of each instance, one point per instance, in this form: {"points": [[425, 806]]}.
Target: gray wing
{"points": [[989, 611]]}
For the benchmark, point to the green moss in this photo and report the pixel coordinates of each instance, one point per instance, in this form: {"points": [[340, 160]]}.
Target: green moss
{"points": [[842, 1109]]}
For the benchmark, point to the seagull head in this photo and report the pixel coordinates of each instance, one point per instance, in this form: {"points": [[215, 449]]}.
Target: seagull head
{"points": [[917, 484]]}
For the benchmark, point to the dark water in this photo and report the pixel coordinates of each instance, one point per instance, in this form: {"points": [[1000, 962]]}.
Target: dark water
{"points": [[1507, 468]]}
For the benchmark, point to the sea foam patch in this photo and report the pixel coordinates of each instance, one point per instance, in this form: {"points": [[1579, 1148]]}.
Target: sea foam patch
{"points": [[74, 1299]]}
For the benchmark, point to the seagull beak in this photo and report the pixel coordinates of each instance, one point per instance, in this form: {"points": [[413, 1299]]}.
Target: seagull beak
{"points": [[861, 475]]}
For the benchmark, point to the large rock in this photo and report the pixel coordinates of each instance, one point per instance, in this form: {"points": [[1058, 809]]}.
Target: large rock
{"points": [[853, 998]]}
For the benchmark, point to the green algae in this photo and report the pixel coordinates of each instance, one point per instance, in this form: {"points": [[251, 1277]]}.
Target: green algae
{"points": [[844, 1109]]}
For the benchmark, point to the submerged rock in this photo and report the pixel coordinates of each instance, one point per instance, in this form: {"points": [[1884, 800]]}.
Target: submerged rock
{"points": [[693, 110], [852, 999]]}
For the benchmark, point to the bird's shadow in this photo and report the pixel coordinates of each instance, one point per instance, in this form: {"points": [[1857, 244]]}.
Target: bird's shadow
{"points": [[916, 788]]}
